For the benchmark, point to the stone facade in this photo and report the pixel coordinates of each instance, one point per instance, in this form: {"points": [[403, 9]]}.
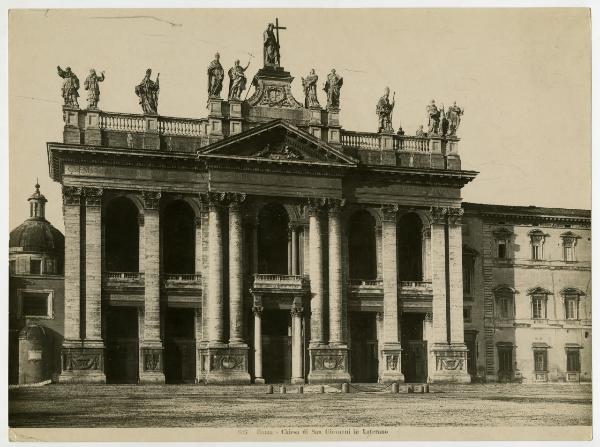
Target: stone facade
{"points": [[526, 305]]}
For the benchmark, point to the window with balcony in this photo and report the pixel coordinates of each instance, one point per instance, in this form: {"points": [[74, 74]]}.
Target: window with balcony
{"points": [[537, 239], [362, 246], [569, 241], [122, 235]]}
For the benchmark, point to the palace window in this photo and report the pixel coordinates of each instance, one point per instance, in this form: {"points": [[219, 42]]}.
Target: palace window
{"points": [[573, 360], [468, 271], [571, 297], [36, 303], [502, 239], [467, 314], [540, 360], [537, 238], [569, 241], [504, 302], [35, 266], [538, 306]]}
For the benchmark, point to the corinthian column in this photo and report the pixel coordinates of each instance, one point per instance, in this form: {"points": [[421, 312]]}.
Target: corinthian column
{"points": [[257, 310], [235, 270], [316, 274], [93, 266], [215, 271], [297, 351], [335, 274]]}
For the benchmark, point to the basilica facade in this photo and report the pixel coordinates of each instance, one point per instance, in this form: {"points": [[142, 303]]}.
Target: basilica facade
{"points": [[265, 243]]}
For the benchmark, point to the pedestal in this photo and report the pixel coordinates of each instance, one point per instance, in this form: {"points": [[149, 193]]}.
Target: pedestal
{"points": [[224, 365], [391, 370], [82, 363], [329, 365], [450, 363], [151, 363]]}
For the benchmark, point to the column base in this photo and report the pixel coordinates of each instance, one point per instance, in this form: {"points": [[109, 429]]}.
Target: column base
{"points": [[450, 363], [298, 381], [225, 365], [259, 381], [329, 365], [82, 362], [391, 370], [152, 363]]}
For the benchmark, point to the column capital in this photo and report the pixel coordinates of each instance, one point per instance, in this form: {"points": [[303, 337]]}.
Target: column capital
{"points": [[71, 195], [235, 200], [93, 196], [455, 215], [198, 222], [429, 317], [426, 232], [379, 316], [440, 213], [390, 211], [296, 311], [334, 206], [213, 199], [315, 205], [257, 310], [151, 199]]}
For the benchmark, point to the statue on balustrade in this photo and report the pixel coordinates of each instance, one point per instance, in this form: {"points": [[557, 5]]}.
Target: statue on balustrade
{"points": [[454, 114], [92, 86], [147, 91], [70, 87], [332, 87], [310, 90], [237, 80], [384, 111], [434, 118], [444, 123], [270, 47], [216, 74]]}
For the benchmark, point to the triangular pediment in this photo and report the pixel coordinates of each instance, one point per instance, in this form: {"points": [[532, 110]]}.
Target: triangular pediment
{"points": [[280, 141]]}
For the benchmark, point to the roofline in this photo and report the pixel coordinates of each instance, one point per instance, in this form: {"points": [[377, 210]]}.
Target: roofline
{"points": [[528, 211]]}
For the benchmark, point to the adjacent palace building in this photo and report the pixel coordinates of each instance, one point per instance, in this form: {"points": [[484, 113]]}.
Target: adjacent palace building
{"points": [[266, 243]]}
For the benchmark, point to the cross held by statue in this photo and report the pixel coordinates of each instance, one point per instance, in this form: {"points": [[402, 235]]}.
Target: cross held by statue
{"points": [[277, 28]]}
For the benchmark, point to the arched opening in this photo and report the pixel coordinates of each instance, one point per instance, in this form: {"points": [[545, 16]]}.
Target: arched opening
{"points": [[362, 246], [409, 234], [121, 236], [179, 238], [273, 239]]}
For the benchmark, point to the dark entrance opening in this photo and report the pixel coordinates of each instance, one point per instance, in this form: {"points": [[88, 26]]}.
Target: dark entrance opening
{"points": [[273, 240], [362, 246], [121, 236], [505, 362], [414, 348], [409, 234], [122, 345], [277, 346], [180, 346], [471, 342], [179, 238], [364, 364]]}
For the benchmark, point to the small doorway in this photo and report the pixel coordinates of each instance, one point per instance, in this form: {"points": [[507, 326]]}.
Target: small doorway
{"points": [[414, 348], [505, 363], [122, 345], [277, 346], [471, 342], [364, 363], [180, 346]]}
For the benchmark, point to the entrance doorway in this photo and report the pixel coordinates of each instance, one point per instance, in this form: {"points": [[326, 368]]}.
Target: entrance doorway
{"points": [[471, 342], [414, 348], [277, 345], [364, 363], [180, 346], [505, 363], [122, 345]]}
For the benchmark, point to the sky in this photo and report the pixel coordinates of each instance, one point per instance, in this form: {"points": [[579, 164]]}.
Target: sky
{"points": [[523, 77]]}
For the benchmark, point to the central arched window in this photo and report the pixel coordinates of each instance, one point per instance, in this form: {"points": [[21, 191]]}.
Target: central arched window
{"points": [[178, 238], [409, 234], [273, 224], [121, 228], [362, 246]]}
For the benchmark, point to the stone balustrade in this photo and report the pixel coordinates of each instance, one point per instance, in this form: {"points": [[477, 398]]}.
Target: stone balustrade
{"points": [[124, 276], [287, 282], [365, 283], [122, 122]]}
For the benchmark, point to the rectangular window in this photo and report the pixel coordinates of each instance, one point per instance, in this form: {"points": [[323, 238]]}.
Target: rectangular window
{"points": [[573, 364], [571, 309], [535, 252], [502, 250], [468, 269], [568, 253], [35, 305], [35, 266], [504, 307], [539, 308], [12, 266], [540, 360], [467, 314]]}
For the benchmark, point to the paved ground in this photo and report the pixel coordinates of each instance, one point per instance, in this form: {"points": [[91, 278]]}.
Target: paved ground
{"points": [[202, 406]]}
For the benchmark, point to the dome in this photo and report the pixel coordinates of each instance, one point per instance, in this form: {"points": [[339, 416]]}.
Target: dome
{"points": [[37, 235]]}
